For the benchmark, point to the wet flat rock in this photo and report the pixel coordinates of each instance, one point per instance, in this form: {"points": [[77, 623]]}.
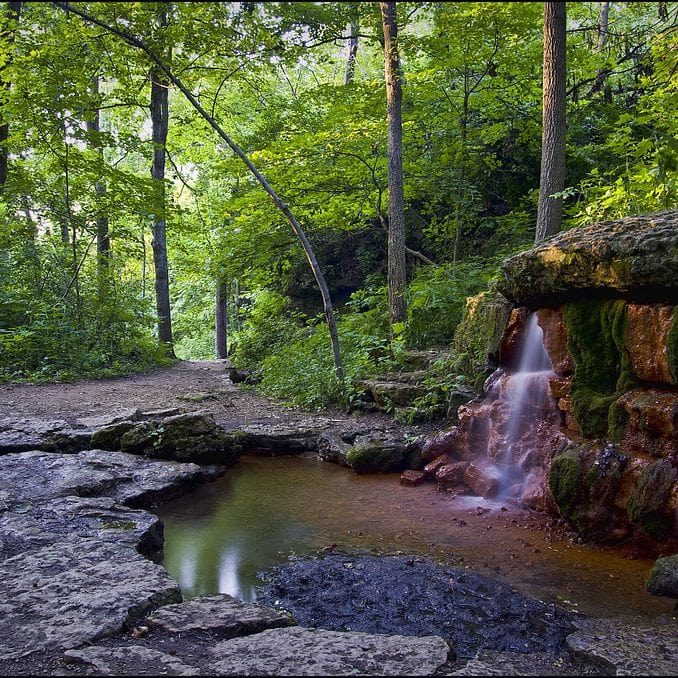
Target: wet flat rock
{"points": [[73, 592], [411, 596], [222, 616], [128, 479], [490, 663], [31, 526], [314, 652], [628, 646]]}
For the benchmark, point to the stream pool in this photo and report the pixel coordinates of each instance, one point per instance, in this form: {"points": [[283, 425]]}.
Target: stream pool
{"points": [[264, 510]]}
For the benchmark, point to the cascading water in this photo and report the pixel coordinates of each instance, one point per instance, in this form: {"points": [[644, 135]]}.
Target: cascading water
{"points": [[528, 394], [508, 435]]}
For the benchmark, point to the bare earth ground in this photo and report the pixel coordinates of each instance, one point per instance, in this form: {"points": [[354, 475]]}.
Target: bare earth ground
{"points": [[190, 385]]}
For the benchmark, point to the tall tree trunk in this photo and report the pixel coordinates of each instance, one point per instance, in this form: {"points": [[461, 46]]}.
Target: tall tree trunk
{"points": [[397, 272], [11, 15], [160, 120], [221, 321], [277, 200], [351, 51], [552, 179], [463, 122], [603, 21], [103, 239]]}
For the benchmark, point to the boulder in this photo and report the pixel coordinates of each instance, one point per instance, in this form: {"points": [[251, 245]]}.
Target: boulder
{"points": [[269, 440], [432, 467], [375, 455], [314, 652], [442, 442], [635, 257], [452, 475], [109, 436], [482, 477], [413, 478], [332, 448], [663, 578]]}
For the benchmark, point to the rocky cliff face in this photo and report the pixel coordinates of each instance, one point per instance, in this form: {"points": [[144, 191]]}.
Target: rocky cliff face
{"points": [[604, 453], [616, 372]]}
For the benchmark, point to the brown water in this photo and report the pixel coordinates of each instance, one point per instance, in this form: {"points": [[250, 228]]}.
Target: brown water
{"points": [[267, 509]]}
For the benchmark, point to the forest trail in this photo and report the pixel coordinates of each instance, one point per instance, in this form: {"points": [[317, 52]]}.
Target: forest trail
{"points": [[191, 386]]}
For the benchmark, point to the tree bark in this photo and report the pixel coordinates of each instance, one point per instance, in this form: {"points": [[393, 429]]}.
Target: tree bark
{"points": [[397, 271], [160, 120], [221, 321], [352, 50], [102, 225], [552, 179], [603, 21], [12, 14]]}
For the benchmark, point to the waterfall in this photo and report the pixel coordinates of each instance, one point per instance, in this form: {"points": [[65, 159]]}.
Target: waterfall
{"points": [[529, 399]]}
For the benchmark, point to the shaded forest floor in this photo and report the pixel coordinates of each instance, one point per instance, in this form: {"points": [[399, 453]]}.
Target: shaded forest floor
{"points": [[190, 385]]}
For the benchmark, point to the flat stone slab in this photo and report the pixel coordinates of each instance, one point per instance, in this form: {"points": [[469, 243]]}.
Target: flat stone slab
{"points": [[220, 615], [491, 663], [74, 592], [30, 526], [628, 646], [314, 652], [128, 479], [131, 660]]}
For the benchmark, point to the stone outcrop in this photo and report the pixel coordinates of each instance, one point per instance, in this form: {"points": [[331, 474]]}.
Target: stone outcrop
{"points": [[635, 258]]}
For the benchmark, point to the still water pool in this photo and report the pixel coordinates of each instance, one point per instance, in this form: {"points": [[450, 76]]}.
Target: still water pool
{"points": [[265, 510]]}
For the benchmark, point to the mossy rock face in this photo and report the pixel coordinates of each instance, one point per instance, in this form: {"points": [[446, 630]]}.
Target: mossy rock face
{"points": [[663, 578], [635, 258], [584, 485], [672, 348], [647, 504], [141, 439], [477, 339], [595, 340]]}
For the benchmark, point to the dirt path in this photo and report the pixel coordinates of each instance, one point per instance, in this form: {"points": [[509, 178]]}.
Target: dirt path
{"points": [[189, 385]]}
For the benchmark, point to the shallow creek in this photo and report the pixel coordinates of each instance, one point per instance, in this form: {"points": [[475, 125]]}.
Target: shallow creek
{"points": [[265, 510]]}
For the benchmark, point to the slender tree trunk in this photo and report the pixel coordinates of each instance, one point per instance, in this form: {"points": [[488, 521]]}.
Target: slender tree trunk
{"points": [[277, 200], [103, 239], [462, 169], [552, 179], [351, 51], [603, 21], [160, 120], [397, 271], [221, 321], [11, 15]]}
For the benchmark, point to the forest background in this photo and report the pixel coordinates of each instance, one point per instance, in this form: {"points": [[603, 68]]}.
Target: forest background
{"points": [[300, 88]]}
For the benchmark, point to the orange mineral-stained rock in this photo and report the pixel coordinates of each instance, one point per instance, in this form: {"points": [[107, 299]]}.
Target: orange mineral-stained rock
{"points": [[411, 477], [451, 475], [646, 339], [510, 342], [555, 340], [483, 478], [652, 422]]}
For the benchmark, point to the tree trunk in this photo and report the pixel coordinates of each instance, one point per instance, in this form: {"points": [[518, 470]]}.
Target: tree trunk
{"points": [[103, 239], [352, 50], [397, 272], [221, 321], [552, 179], [12, 14], [277, 200], [160, 120], [603, 21]]}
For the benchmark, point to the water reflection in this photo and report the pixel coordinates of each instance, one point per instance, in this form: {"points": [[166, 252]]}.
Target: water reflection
{"points": [[264, 510]]}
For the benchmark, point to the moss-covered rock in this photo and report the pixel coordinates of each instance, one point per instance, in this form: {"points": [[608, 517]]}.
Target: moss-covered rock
{"points": [[635, 258], [663, 578], [108, 437], [584, 484], [376, 456], [477, 339], [647, 504], [672, 348]]}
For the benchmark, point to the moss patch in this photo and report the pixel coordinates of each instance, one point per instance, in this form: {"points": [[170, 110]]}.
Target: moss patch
{"points": [[375, 457], [565, 482], [646, 506], [595, 340]]}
